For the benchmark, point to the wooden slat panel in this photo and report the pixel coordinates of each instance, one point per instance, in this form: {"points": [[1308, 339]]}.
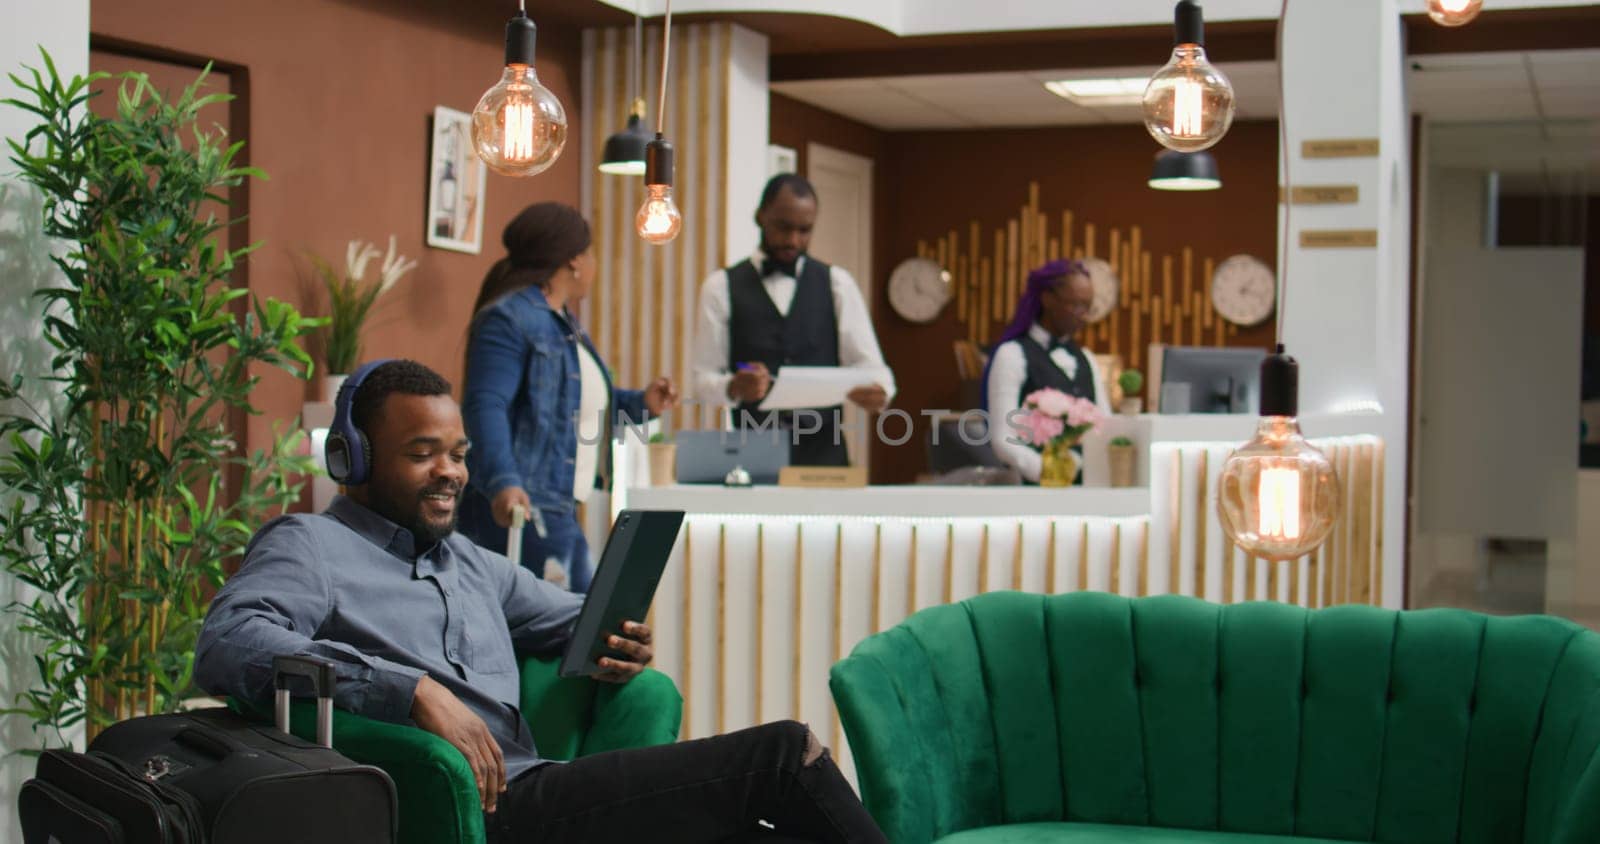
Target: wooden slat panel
{"points": [[1116, 558], [1175, 513], [1201, 517], [1377, 524]]}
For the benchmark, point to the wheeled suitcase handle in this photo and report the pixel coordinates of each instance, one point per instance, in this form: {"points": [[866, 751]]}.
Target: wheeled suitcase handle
{"points": [[321, 674]]}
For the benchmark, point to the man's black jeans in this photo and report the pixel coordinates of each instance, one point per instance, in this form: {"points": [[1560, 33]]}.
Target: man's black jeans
{"points": [[717, 789]]}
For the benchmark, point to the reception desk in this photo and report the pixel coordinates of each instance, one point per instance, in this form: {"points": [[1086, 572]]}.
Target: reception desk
{"points": [[769, 586]]}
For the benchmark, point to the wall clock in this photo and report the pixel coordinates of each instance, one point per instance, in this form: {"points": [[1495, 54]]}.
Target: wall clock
{"points": [[919, 289], [1244, 290], [1107, 287]]}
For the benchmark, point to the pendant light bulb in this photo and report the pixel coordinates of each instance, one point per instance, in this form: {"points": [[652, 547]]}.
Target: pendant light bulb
{"points": [[1188, 104], [658, 220], [1278, 496], [1454, 12], [519, 127]]}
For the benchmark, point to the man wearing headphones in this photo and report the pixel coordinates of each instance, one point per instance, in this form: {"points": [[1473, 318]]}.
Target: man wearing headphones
{"points": [[346, 585]]}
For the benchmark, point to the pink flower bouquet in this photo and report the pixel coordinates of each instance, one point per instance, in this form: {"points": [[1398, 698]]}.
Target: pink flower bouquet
{"points": [[1053, 419]]}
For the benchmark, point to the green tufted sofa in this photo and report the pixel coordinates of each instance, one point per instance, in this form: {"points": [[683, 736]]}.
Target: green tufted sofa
{"points": [[1089, 717], [568, 717]]}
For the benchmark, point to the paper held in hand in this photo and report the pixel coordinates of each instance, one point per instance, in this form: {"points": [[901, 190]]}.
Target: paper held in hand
{"points": [[798, 387]]}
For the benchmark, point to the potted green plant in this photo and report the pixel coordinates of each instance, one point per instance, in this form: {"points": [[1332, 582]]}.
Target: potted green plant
{"points": [[663, 459], [1123, 460], [126, 495], [1132, 383], [350, 300]]}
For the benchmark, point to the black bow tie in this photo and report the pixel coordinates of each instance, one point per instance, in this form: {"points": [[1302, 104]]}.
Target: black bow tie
{"points": [[1071, 347], [770, 266]]}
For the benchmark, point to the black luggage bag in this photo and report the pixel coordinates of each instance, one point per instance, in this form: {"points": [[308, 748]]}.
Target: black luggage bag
{"points": [[212, 775]]}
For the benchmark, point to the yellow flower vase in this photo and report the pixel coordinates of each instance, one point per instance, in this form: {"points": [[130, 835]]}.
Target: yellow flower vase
{"points": [[1059, 466]]}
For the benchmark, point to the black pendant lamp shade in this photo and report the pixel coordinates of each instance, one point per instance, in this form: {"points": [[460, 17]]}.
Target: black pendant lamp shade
{"points": [[1185, 171], [624, 151], [1280, 384]]}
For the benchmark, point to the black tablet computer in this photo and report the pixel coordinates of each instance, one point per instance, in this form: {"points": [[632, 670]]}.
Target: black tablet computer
{"points": [[630, 567]]}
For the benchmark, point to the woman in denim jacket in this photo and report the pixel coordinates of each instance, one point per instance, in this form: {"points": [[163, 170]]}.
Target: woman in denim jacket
{"points": [[538, 401]]}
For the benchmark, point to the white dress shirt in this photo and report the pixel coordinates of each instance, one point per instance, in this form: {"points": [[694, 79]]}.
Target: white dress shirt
{"points": [[858, 345], [1007, 373], [593, 403]]}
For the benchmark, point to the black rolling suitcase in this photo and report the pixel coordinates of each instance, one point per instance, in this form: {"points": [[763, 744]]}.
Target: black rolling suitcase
{"points": [[212, 775]]}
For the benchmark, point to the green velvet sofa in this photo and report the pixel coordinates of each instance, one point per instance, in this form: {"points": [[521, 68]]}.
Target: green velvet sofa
{"points": [[1090, 717], [569, 718]]}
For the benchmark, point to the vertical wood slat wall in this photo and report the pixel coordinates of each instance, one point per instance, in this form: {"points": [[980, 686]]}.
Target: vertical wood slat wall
{"points": [[641, 313], [1162, 298]]}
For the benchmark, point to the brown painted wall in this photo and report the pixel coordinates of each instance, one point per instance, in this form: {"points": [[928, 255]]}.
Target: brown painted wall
{"points": [[928, 183], [341, 94], [945, 180], [796, 124]]}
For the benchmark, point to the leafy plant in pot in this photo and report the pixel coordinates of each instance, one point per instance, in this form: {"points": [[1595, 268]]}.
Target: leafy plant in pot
{"points": [[118, 510], [350, 301], [1123, 461], [1132, 383], [663, 460]]}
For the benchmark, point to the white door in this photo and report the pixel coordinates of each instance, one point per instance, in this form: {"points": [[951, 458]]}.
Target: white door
{"points": [[843, 237]]}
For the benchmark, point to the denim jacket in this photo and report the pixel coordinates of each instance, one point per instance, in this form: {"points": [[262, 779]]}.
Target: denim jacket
{"points": [[521, 399]]}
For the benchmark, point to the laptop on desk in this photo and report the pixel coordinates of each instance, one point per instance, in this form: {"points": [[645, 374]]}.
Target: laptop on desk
{"points": [[706, 457]]}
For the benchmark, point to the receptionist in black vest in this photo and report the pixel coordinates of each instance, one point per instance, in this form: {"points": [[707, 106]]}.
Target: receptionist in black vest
{"points": [[783, 307], [1037, 350]]}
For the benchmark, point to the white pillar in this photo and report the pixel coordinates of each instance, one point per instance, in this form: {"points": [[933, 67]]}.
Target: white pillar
{"points": [[60, 27], [1347, 315], [746, 143]]}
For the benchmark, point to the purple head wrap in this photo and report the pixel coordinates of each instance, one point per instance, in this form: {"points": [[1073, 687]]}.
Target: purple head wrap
{"points": [[1029, 307]]}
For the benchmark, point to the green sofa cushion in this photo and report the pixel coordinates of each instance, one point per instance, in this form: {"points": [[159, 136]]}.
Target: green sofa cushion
{"points": [[1349, 723], [1093, 833]]}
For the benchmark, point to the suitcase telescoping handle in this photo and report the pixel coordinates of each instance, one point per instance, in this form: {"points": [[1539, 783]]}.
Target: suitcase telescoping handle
{"points": [[320, 673], [514, 536]]}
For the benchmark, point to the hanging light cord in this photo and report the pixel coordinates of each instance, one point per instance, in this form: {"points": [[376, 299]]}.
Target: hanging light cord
{"points": [[637, 71], [666, 50], [1288, 193], [523, 5]]}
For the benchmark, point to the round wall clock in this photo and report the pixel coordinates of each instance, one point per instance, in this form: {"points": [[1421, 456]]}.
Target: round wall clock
{"points": [[1107, 287], [1244, 290], [919, 289]]}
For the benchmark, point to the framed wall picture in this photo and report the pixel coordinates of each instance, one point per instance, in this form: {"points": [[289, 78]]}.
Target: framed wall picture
{"points": [[782, 160], [455, 184]]}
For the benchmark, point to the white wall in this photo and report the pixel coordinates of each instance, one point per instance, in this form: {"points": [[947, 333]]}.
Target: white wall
{"points": [[746, 142], [1501, 343], [1500, 349], [61, 27], [1346, 311]]}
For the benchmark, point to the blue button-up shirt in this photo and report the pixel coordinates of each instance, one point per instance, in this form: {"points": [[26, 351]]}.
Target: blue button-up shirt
{"points": [[349, 586]]}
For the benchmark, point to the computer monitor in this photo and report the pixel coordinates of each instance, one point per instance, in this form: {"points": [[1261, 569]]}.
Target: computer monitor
{"points": [[706, 457], [1201, 379]]}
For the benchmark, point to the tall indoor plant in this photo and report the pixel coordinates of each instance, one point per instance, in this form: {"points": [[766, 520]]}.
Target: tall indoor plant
{"points": [[119, 512]]}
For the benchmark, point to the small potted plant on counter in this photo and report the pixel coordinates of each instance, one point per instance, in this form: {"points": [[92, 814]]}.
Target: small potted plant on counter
{"points": [[663, 460], [1132, 383], [1122, 458]]}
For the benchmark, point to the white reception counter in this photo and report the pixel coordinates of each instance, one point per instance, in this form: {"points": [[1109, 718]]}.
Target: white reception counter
{"points": [[770, 585]]}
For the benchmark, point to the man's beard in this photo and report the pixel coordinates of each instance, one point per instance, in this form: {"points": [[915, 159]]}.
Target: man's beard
{"points": [[771, 251], [408, 514]]}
